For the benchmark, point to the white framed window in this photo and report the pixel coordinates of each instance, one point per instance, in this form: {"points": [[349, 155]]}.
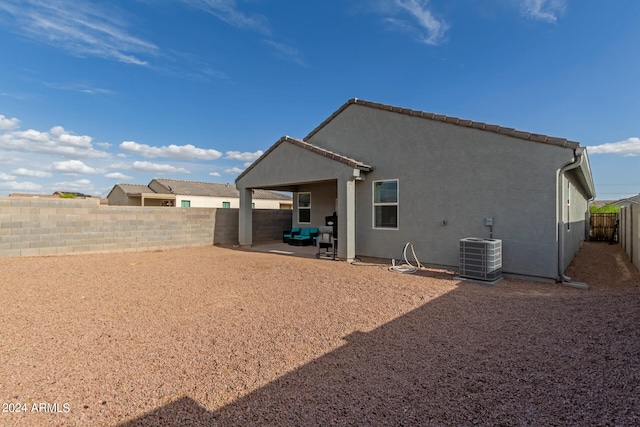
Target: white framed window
{"points": [[304, 208], [226, 205], [185, 203], [385, 204]]}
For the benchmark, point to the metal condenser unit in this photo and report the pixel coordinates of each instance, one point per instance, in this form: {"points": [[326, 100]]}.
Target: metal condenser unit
{"points": [[481, 259]]}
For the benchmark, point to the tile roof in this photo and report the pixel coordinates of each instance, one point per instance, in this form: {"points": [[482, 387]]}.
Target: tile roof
{"points": [[195, 188], [130, 189], [313, 148], [562, 142]]}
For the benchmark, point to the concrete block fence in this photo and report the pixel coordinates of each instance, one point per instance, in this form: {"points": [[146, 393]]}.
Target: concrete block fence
{"points": [[38, 227]]}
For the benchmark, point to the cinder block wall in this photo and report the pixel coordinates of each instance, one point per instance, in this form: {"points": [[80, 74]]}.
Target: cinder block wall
{"points": [[31, 227], [268, 225]]}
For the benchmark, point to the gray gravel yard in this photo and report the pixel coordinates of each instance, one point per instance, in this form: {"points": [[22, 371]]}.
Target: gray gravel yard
{"points": [[216, 336]]}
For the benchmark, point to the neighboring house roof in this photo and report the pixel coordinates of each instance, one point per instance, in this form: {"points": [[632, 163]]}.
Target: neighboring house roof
{"points": [[74, 194], [38, 196], [55, 195], [631, 200], [210, 189], [131, 189], [195, 188], [313, 148], [562, 142]]}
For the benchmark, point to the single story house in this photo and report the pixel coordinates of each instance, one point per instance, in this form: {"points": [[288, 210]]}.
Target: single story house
{"points": [[395, 175], [172, 192]]}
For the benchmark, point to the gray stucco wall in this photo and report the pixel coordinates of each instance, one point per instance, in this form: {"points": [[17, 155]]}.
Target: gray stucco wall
{"points": [[454, 176], [31, 227], [290, 168], [323, 202], [578, 219]]}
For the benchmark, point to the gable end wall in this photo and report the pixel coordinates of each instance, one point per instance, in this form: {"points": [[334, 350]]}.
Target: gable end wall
{"points": [[452, 178]]}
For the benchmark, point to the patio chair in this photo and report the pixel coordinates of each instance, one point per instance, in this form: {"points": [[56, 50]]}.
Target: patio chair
{"points": [[326, 241], [288, 234]]}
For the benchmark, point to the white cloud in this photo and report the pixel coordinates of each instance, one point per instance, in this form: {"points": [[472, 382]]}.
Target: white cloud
{"points": [[543, 10], [286, 52], [8, 124], [421, 24], [155, 167], [117, 175], [227, 11], [72, 167], [186, 152], [6, 177], [29, 172], [20, 186], [81, 28], [214, 174], [628, 147], [80, 87], [79, 186], [57, 141], [246, 156], [234, 171], [71, 140]]}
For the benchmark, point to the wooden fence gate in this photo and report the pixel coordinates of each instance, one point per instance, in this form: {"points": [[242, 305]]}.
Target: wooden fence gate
{"points": [[604, 227]]}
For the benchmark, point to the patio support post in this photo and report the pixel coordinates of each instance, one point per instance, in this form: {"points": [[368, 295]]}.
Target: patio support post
{"points": [[245, 219], [351, 220]]}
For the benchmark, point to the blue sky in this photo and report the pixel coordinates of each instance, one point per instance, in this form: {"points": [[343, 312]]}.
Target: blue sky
{"points": [[96, 93]]}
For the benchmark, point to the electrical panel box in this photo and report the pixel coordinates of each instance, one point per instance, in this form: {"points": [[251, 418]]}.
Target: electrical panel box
{"points": [[488, 221]]}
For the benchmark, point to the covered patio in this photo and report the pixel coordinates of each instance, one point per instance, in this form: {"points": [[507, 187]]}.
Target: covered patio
{"points": [[328, 181]]}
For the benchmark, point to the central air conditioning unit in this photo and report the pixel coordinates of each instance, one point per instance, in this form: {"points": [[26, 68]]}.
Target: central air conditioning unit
{"points": [[481, 259]]}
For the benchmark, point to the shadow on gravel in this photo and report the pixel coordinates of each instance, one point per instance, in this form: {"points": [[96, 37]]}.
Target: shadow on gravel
{"points": [[546, 358]]}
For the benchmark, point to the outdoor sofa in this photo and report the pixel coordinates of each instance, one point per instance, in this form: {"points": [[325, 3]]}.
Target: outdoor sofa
{"points": [[300, 236]]}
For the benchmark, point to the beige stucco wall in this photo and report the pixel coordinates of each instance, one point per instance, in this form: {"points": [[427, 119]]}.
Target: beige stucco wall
{"points": [[217, 202], [117, 197]]}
